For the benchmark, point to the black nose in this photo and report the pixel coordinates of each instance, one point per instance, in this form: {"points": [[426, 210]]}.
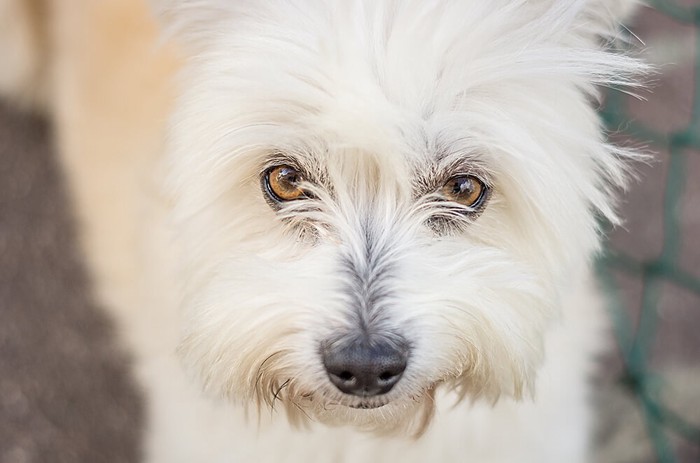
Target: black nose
{"points": [[365, 369]]}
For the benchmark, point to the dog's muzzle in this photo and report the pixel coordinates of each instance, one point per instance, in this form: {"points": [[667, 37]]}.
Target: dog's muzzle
{"points": [[365, 368]]}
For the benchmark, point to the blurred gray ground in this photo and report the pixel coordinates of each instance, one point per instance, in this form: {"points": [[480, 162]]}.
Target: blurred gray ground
{"points": [[66, 396]]}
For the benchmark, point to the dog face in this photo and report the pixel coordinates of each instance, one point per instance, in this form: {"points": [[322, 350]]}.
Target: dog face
{"points": [[380, 199]]}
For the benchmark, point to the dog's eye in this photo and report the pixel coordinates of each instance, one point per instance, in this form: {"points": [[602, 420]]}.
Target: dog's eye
{"points": [[466, 190], [282, 183]]}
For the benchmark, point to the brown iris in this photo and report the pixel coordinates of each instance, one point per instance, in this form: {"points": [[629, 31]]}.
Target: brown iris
{"points": [[283, 183], [465, 189]]}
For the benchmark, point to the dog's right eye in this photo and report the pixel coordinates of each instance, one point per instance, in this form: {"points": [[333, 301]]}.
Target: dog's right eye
{"points": [[282, 183]]}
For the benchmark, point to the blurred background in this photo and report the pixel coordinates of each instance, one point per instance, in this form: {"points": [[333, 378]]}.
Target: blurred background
{"points": [[65, 392], [649, 397]]}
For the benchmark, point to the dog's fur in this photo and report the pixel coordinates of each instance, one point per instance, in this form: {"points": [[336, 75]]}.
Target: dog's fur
{"points": [[378, 103]]}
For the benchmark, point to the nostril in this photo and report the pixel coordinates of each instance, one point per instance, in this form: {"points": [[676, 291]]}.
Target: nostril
{"points": [[386, 376], [346, 376]]}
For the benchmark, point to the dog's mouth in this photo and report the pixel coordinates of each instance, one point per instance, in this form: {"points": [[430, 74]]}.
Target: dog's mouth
{"points": [[356, 403], [367, 405], [376, 402], [402, 412], [329, 399]]}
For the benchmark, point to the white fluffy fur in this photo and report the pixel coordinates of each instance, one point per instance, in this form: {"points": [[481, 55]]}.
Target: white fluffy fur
{"points": [[374, 99], [370, 93]]}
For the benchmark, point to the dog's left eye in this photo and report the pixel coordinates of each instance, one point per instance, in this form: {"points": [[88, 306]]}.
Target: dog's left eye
{"points": [[282, 183], [467, 190]]}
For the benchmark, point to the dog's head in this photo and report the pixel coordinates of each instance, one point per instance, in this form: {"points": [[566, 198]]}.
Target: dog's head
{"points": [[382, 198]]}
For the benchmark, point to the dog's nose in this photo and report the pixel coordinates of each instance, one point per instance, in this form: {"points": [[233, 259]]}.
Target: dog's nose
{"points": [[365, 369]]}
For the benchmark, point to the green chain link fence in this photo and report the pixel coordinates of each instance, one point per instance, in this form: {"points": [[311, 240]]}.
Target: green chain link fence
{"points": [[636, 340]]}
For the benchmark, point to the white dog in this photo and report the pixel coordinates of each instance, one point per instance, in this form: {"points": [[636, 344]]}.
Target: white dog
{"points": [[368, 237]]}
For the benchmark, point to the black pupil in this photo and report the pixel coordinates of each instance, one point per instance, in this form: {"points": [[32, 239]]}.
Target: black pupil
{"points": [[288, 176], [463, 186]]}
